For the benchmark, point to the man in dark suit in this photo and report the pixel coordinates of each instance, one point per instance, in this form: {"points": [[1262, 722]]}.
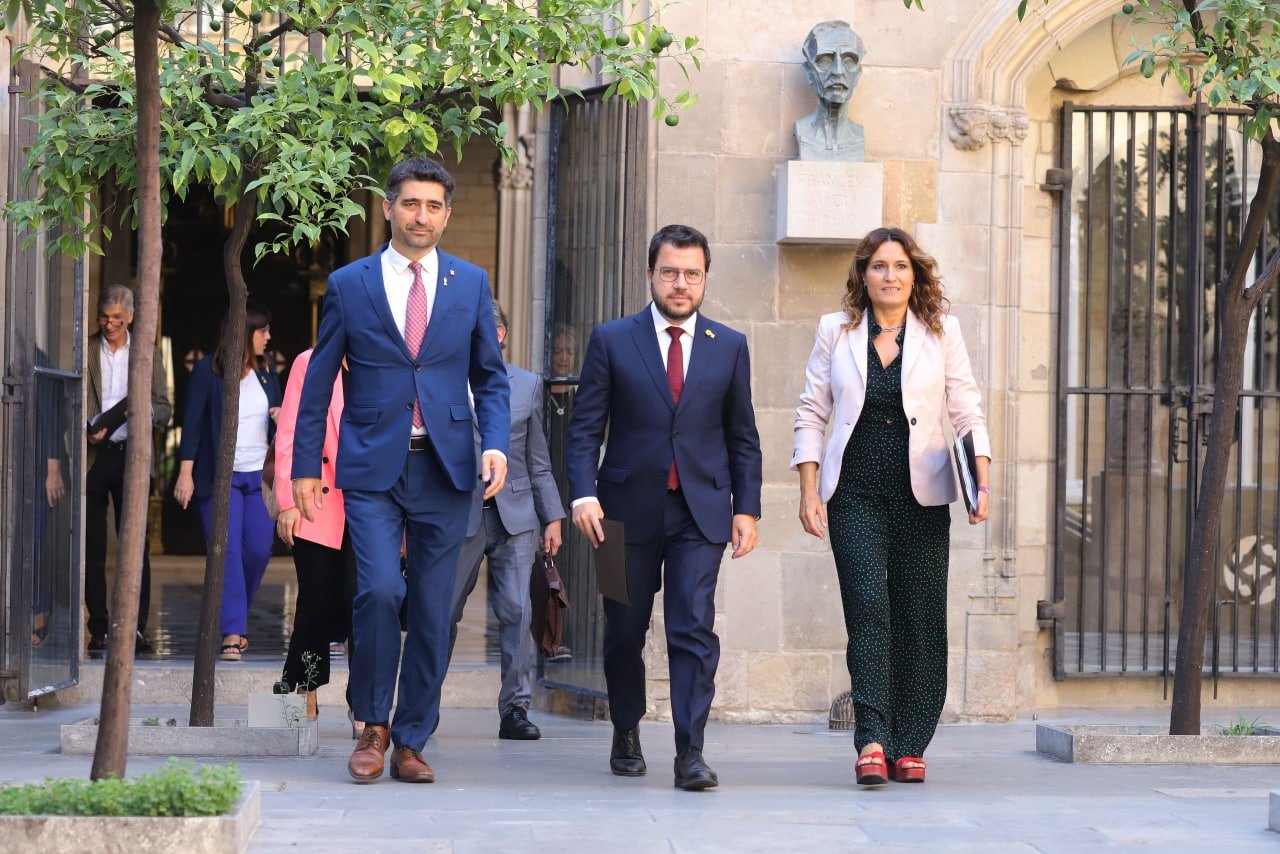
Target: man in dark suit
{"points": [[506, 529], [107, 366], [682, 472], [416, 326]]}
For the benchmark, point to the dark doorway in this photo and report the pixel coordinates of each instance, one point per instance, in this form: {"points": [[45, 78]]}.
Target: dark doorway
{"points": [[193, 301]]}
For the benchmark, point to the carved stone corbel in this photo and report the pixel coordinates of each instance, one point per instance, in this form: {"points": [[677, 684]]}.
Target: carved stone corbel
{"points": [[972, 126]]}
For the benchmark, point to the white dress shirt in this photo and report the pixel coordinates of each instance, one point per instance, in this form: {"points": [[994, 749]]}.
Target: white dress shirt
{"points": [[661, 324], [115, 381], [397, 279], [689, 325]]}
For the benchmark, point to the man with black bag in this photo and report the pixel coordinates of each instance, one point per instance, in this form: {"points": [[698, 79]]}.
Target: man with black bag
{"points": [[505, 529]]}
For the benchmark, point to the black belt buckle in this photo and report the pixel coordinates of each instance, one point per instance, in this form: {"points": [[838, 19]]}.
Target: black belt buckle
{"points": [[418, 443]]}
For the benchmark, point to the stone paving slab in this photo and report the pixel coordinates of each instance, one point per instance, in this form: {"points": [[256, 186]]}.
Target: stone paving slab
{"points": [[783, 788]]}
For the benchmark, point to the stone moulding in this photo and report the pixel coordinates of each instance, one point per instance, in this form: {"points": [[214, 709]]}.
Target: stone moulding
{"points": [[131, 834], [1152, 745], [224, 738], [972, 126]]}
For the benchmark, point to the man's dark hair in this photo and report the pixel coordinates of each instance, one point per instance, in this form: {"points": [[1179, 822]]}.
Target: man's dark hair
{"points": [[681, 237], [419, 169]]}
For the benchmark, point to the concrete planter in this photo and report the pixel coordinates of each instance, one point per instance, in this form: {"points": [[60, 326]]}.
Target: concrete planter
{"points": [[1274, 818], [277, 710], [132, 834], [1152, 745], [224, 738]]}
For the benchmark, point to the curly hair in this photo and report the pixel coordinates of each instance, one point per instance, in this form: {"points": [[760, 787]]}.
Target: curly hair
{"points": [[927, 301]]}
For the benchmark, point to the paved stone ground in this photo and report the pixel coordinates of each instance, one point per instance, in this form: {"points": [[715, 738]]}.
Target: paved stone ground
{"points": [[783, 788]]}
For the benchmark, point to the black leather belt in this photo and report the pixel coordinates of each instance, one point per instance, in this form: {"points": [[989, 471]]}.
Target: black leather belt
{"points": [[116, 447], [418, 443]]}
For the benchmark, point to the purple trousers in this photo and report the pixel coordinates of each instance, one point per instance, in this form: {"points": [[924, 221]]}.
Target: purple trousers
{"points": [[250, 533]]}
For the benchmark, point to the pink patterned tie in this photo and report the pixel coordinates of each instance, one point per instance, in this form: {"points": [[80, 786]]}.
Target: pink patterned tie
{"points": [[415, 325]]}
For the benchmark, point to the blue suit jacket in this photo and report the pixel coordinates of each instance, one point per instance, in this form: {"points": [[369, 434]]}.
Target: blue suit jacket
{"points": [[461, 345], [712, 433], [202, 419]]}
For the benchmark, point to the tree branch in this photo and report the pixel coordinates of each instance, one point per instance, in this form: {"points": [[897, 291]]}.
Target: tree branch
{"points": [[284, 26], [1197, 20], [78, 88], [222, 99], [166, 32], [1255, 293]]}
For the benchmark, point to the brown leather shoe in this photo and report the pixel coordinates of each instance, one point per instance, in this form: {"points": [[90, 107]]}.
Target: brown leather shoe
{"points": [[407, 765], [368, 759]]}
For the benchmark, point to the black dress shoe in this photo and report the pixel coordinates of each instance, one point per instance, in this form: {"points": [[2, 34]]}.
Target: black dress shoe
{"points": [[625, 759], [693, 773], [516, 725]]}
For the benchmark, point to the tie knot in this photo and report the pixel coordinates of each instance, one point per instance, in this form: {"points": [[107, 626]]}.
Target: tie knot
{"points": [[415, 268], [674, 332]]}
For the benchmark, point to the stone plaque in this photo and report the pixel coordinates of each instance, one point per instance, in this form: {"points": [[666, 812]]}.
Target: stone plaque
{"points": [[828, 201]]}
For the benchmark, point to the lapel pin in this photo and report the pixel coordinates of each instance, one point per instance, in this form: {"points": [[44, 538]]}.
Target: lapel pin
{"points": [[708, 333]]}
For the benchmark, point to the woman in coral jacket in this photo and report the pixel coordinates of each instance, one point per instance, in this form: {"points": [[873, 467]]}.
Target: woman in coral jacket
{"points": [[886, 373], [322, 552]]}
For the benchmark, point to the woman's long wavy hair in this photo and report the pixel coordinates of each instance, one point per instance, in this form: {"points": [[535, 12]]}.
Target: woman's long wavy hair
{"points": [[255, 318], [927, 301]]}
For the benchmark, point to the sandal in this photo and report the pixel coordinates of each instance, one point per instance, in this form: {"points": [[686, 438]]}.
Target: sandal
{"points": [[904, 774], [231, 650], [870, 769]]}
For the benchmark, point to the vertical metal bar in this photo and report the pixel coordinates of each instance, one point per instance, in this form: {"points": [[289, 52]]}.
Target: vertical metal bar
{"points": [[1173, 345], [1089, 519], [1150, 382], [1107, 425], [1131, 177], [1065, 288], [1196, 151]]}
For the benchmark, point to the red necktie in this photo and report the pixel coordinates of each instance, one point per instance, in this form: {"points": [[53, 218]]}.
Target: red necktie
{"points": [[415, 325], [675, 379]]}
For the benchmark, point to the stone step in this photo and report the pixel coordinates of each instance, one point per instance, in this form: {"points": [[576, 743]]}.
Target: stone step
{"points": [[169, 682]]}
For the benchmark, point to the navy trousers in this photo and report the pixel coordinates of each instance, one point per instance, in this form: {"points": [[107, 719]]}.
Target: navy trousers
{"points": [[431, 513], [250, 535], [688, 565]]}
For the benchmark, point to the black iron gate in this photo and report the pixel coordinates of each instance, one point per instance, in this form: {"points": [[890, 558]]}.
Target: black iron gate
{"points": [[596, 245], [41, 435], [1152, 204]]}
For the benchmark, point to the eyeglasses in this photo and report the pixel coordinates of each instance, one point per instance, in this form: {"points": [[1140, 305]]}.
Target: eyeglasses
{"points": [[691, 277]]}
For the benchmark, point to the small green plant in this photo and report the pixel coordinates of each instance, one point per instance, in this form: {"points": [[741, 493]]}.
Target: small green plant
{"points": [[177, 788], [310, 666], [1240, 726], [151, 722]]}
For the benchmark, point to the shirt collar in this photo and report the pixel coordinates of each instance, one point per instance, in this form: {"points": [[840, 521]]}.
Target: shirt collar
{"points": [[399, 263], [689, 325], [106, 345]]}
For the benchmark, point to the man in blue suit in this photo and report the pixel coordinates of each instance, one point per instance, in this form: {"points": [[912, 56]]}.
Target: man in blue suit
{"points": [[682, 472], [415, 326]]}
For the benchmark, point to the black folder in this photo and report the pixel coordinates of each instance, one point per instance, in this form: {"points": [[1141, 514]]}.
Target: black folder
{"points": [[967, 470], [111, 419], [611, 563]]}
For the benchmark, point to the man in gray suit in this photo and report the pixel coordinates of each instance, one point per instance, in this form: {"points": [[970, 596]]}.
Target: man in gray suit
{"points": [[506, 530]]}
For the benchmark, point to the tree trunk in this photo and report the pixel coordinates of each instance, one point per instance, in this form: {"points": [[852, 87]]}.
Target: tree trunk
{"points": [[111, 753], [1235, 307], [210, 633]]}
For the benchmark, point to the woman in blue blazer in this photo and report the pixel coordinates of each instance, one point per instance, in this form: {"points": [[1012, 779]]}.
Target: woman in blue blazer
{"points": [[249, 527]]}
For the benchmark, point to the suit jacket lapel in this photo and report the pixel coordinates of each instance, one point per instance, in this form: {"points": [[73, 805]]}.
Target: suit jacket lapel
{"points": [[912, 343], [705, 345], [646, 338], [371, 277], [857, 338], [93, 359], [447, 296]]}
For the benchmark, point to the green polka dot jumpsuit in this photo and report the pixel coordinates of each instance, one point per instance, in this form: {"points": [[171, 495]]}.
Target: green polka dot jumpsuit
{"points": [[891, 558]]}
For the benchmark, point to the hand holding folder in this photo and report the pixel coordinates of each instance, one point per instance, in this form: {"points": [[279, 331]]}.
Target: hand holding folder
{"points": [[111, 419], [967, 470], [611, 563]]}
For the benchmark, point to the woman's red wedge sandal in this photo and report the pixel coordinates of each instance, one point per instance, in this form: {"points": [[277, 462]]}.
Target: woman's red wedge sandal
{"points": [[871, 769], [904, 774]]}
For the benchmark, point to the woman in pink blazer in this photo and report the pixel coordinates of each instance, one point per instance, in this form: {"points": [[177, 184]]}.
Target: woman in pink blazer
{"points": [[322, 552], [886, 375]]}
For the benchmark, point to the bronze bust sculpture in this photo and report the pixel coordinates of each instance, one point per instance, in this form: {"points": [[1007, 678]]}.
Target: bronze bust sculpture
{"points": [[832, 64]]}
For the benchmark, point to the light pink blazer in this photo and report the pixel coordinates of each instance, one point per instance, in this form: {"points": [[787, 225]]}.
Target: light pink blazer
{"points": [[330, 520], [936, 382]]}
